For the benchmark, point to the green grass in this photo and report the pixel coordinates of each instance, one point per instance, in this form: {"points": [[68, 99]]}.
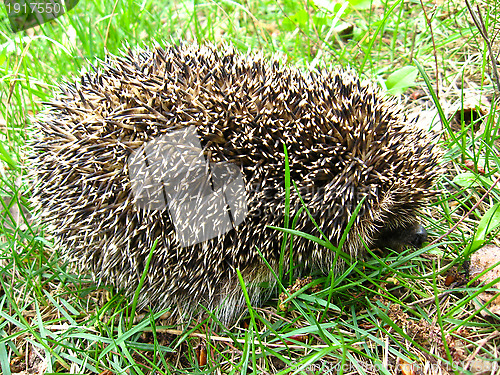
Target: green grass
{"points": [[371, 318]]}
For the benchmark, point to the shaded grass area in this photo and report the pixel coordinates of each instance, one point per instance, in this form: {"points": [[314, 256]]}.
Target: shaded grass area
{"points": [[376, 316]]}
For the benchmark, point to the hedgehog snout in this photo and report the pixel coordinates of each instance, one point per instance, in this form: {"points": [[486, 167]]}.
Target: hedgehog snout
{"points": [[419, 236], [414, 235]]}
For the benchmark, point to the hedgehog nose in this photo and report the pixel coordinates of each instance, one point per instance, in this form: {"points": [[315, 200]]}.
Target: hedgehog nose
{"points": [[420, 236]]}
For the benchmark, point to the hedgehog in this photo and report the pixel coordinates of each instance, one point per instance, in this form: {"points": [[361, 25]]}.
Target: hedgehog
{"points": [[187, 147]]}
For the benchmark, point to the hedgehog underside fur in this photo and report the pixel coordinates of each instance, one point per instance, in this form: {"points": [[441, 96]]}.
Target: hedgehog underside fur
{"points": [[345, 142]]}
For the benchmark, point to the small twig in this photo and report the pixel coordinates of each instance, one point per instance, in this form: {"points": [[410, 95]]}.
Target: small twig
{"points": [[480, 344], [479, 22], [468, 213], [433, 45], [109, 25], [213, 337], [430, 300], [13, 83]]}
